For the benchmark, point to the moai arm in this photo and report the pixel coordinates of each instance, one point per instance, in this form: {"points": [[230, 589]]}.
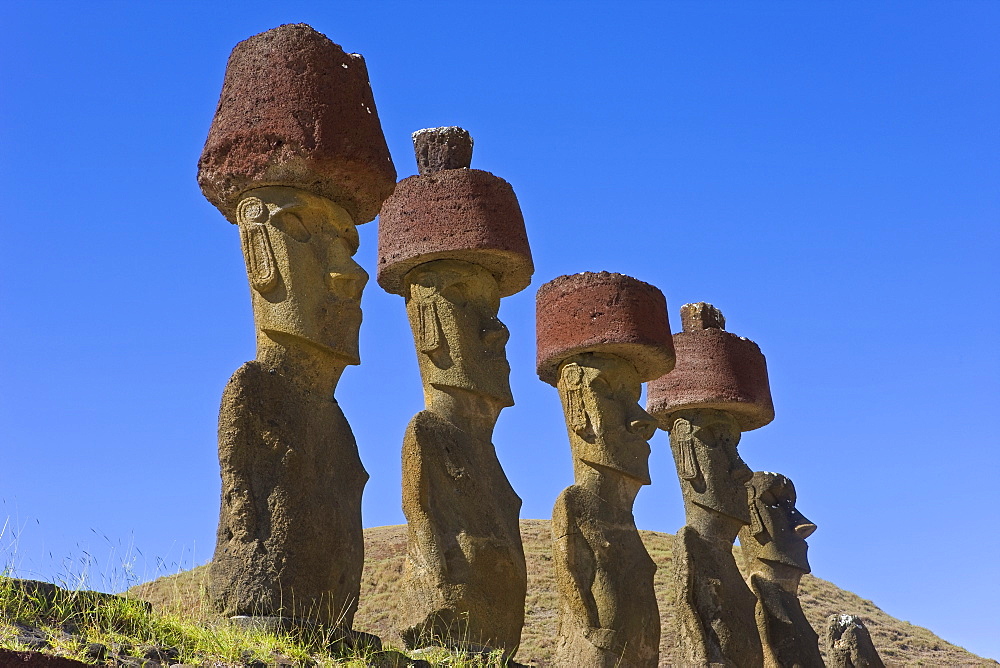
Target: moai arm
{"points": [[575, 570], [695, 637], [425, 539]]}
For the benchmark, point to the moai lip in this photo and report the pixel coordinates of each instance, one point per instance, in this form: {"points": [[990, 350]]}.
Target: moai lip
{"points": [[715, 369], [602, 312], [296, 110], [452, 214]]}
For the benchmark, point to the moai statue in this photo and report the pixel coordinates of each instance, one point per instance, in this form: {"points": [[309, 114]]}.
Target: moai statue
{"points": [[849, 645], [774, 560], [600, 336], [452, 243], [718, 389], [296, 158]]}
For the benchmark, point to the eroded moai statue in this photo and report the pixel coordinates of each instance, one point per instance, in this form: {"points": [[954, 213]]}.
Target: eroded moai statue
{"points": [[600, 336], [296, 158], [774, 560], [718, 389], [452, 242], [849, 644]]}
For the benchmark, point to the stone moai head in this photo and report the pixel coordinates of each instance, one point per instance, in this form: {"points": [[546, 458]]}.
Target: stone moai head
{"points": [[299, 249], [777, 531], [718, 389], [452, 242], [296, 157], [600, 336], [452, 307]]}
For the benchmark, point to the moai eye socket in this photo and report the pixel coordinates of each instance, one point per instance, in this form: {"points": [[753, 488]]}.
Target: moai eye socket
{"points": [[290, 223], [455, 293]]}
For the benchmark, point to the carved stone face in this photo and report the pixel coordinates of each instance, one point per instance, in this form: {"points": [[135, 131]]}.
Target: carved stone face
{"points": [[607, 426], [778, 529], [299, 251], [452, 307], [713, 475]]}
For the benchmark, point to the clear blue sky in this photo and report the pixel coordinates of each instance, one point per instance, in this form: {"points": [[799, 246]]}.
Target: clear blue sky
{"points": [[825, 173]]}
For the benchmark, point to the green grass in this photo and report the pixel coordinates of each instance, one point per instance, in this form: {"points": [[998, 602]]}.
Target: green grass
{"points": [[200, 637]]}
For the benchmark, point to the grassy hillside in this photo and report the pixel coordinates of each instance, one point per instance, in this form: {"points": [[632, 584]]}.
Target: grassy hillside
{"points": [[899, 642]]}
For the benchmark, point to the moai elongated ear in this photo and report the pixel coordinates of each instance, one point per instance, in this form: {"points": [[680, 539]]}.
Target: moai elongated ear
{"points": [[687, 462], [756, 521], [262, 269], [576, 412], [430, 338]]}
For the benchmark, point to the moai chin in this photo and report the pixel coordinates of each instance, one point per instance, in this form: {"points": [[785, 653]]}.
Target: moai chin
{"points": [[296, 158], [774, 560], [600, 336], [718, 389], [452, 242]]}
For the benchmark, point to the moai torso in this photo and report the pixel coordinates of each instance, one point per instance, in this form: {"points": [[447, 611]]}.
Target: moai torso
{"points": [[290, 546], [465, 562], [774, 559], [608, 614], [717, 390], [292, 483], [452, 243]]}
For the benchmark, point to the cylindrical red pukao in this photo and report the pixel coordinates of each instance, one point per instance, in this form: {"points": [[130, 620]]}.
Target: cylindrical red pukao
{"points": [[454, 214], [295, 110], [603, 313], [715, 369]]}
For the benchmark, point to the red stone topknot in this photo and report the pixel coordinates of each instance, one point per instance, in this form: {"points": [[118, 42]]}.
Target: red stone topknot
{"points": [[715, 369], [606, 313], [296, 110]]}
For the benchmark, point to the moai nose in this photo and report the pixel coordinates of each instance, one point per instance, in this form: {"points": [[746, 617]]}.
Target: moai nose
{"points": [[642, 423], [495, 334], [804, 529], [348, 284]]}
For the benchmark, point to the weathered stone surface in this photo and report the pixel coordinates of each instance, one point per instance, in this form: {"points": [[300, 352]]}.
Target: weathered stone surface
{"points": [[457, 214], [606, 312], [715, 369], [16, 659], [849, 645], [442, 148], [290, 539], [715, 613], [289, 542], [453, 243], [608, 615], [701, 315], [774, 554], [296, 110], [465, 574], [48, 595]]}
